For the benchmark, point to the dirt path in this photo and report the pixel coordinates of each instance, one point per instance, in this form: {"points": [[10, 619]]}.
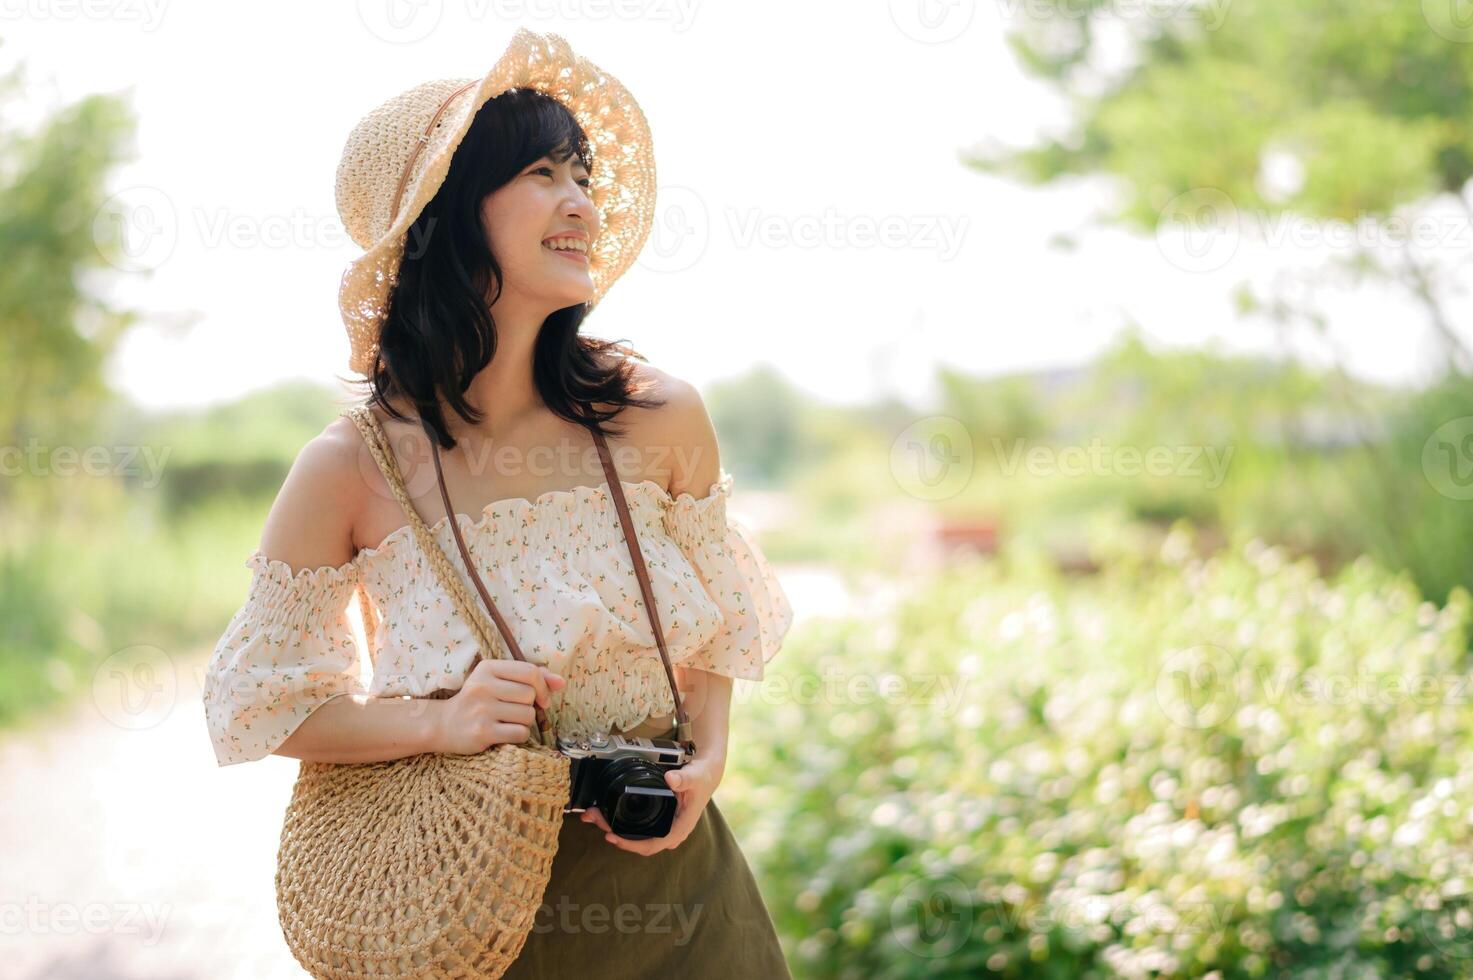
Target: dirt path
{"points": [[129, 854]]}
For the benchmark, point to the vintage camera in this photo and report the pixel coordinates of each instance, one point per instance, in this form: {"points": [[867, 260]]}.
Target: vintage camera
{"points": [[625, 778]]}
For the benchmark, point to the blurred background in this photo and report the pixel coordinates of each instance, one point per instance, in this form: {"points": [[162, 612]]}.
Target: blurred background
{"points": [[1097, 374]]}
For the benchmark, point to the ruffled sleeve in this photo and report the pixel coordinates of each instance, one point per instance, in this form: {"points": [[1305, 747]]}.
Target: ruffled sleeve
{"points": [[755, 611], [286, 651]]}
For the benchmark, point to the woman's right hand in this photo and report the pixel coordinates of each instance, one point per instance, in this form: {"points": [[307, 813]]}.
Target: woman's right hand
{"points": [[494, 706]]}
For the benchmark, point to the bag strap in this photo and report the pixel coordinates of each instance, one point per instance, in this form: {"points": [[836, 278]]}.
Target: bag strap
{"points": [[378, 444]]}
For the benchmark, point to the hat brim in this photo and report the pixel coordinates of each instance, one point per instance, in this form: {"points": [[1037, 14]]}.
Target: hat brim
{"points": [[622, 188]]}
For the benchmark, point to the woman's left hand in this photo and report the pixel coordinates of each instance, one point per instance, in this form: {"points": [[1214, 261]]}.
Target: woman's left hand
{"points": [[693, 783]]}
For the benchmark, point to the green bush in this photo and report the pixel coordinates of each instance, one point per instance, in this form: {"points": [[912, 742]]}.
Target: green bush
{"points": [[1185, 767], [72, 596]]}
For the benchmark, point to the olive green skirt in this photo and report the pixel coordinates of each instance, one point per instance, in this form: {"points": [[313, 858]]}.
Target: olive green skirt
{"points": [[691, 911]]}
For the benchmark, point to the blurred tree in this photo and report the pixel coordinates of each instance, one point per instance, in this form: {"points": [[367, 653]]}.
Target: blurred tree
{"points": [[241, 448], [1351, 121], [270, 423], [1314, 109], [759, 419], [1007, 408], [56, 331]]}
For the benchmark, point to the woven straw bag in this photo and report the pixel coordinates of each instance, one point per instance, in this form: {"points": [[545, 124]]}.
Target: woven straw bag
{"points": [[428, 866]]}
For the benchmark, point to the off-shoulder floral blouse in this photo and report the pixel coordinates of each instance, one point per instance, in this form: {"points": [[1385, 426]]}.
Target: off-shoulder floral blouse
{"points": [[560, 573]]}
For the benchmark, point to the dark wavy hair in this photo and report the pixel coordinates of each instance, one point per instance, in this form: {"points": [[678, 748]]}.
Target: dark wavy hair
{"points": [[439, 331]]}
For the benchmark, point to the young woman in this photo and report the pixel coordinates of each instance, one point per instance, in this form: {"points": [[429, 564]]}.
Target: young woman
{"points": [[494, 213]]}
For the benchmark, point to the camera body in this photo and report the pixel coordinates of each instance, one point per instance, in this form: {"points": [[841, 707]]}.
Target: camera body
{"points": [[625, 778]]}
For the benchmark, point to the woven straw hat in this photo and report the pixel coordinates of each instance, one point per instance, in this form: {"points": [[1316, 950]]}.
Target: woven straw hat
{"points": [[397, 157]]}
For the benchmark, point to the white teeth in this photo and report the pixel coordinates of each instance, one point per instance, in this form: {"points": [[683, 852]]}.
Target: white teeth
{"points": [[566, 244]]}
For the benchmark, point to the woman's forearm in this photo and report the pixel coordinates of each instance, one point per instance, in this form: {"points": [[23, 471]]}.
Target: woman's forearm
{"points": [[359, 728], [711, 721]]}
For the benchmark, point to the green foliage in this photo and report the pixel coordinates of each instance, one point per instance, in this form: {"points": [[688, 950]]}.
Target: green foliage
{"points": [[1007, 408], [75, 595], [759, 418], [1317, 462], [238, 450], [271, 423], [1278, 110], [1179, 767], [1371, 97], [1428, 531]]}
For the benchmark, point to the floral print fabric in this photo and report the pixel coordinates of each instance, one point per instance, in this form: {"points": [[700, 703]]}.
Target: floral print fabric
{"points": [[560, 573]]}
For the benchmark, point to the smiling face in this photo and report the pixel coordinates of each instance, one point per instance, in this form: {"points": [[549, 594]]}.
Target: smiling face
{"points": [[546, 204]]}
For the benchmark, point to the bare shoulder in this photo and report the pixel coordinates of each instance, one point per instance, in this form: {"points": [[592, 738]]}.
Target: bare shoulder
{"points": [[311, 520], [677, 438]]}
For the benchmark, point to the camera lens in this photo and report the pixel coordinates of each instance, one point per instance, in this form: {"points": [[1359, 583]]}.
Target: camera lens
{"points": [[636, 800]]}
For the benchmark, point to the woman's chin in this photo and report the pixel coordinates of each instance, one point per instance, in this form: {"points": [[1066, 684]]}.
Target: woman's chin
{"points": [[571, 294]]}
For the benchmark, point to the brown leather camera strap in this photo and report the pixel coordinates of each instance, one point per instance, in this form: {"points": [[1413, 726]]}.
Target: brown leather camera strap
{"points": [[682, 720], [683, 729]]}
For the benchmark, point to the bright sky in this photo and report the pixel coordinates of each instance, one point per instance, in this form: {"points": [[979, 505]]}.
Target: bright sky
{"points": [[812, 210]]}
